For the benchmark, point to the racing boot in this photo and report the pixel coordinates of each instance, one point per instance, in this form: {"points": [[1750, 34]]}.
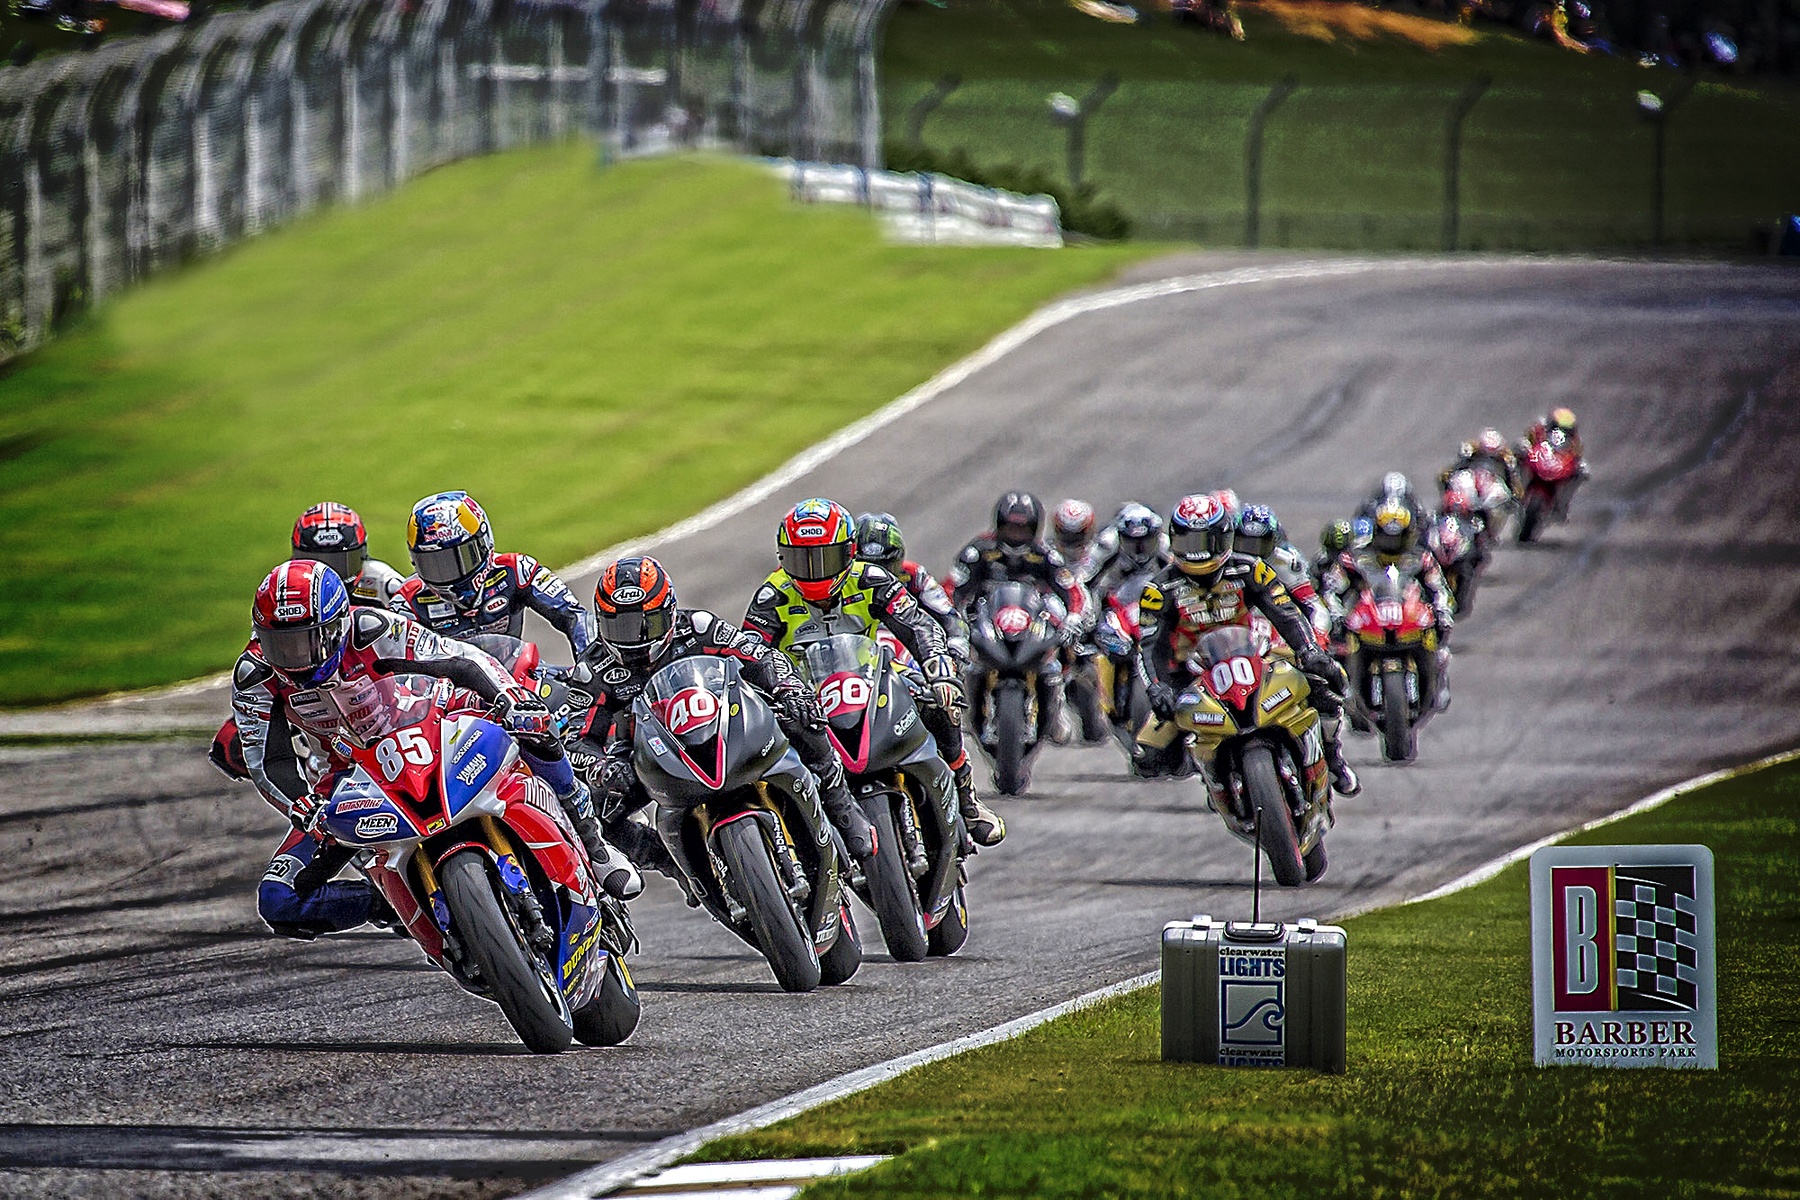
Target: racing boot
{"points": [[1343, 777], [845, 814], [983, 823], [1441, 693], [1057, 726], [618, 878]]}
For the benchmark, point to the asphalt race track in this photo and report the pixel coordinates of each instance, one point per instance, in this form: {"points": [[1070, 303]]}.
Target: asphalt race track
{"points": [[158, 1042]]}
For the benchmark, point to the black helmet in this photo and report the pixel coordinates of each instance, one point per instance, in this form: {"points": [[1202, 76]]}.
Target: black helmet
{"points": [[879, 541], [1258, 531], [1140, 534], [1201, 535], [634, 610], [1018, 519]]}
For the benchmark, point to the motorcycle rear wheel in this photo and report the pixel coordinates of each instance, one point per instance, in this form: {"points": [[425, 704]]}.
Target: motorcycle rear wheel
{"points": [[1009, 740], [612, 1015], [533, 1005], [783, 939], [949, 934], [1274, 822], [846, 954], [1398, 741], [891, 891]]}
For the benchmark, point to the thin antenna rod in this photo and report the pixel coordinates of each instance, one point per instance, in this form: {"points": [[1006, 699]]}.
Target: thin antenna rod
{"points": [[1256, 856]]}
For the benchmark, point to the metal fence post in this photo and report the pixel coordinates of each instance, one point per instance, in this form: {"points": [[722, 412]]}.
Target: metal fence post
{"points": [[1453, 127], [1253, 150]]}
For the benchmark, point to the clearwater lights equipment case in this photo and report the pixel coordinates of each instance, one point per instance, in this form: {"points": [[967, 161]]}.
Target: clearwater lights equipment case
{"points": [[1243, 993]]}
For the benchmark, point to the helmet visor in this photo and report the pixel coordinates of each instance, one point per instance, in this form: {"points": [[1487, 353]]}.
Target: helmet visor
{"points": [[877, 552], [816, 564], [636, 629], [441, 566], [1201, 545], [1015, 533], [298, 648], [1259, 544], [347, 563]]}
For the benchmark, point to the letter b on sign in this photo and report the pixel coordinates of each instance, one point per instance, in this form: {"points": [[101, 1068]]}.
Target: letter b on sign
{"points": [[1581, 913]]}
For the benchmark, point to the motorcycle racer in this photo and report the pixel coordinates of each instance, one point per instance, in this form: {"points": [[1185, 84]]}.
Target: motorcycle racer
{"points": [[879, 541], [1207, 586], [1488, 449], [1138, 548], [1072, 529], [1334, 540], [309, 643], [334, 535], [640, 629], [1395, 543], [1260, 535], [462, 588], [821, 588], [1556, 419]]}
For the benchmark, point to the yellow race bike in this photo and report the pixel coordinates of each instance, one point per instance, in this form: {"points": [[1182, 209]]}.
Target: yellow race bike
{"points": [[1255, 740]]}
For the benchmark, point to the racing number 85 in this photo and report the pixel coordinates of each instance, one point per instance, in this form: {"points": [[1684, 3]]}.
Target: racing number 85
{"points": [[407, 746]]}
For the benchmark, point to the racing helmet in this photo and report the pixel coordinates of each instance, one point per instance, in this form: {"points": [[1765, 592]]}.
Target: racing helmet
{"points": [[879, 541], [1202, 532], [451, 546], [1073, 527], [1395, 532], [1492, 443], [1018, 519], [1395, 486], [1258, 531], [1563, 419], [300, 617], [816, 543], [1140, 535], [1335, 538], [1229, 499], [334, 535], [634, 610]]}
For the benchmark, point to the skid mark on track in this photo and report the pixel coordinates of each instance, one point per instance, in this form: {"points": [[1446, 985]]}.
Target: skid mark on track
{"points": [[223, 889]]}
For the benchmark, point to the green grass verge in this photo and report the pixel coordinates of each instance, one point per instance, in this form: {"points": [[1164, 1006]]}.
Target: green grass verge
{"points": [[593, 355], [1554, 156], [1441, 1097]]}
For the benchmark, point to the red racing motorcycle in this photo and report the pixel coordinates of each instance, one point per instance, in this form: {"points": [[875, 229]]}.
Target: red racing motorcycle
{"points": [[1552, 471], [1387, 633]]}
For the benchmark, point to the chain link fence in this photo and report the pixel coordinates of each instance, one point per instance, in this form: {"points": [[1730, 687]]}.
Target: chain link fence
{"points": [[143, 153]]}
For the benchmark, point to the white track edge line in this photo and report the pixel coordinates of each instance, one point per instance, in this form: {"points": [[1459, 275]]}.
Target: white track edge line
{"points": [[1046, 318], [610, 1176], [619, 1172]]}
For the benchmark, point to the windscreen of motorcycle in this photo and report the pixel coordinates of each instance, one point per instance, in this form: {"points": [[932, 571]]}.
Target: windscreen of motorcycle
{"points": [[700, 731], [370, 708]]}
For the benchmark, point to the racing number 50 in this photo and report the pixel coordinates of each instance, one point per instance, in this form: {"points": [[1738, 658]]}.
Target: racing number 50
{"points": [[407, 746]]}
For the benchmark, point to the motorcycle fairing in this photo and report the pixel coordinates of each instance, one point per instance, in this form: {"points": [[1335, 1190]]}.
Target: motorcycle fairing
{"points": [[360, 813], [476, 754]]}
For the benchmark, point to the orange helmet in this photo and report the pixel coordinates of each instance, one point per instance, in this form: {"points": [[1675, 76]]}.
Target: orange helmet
{"points": [[634, 609]]}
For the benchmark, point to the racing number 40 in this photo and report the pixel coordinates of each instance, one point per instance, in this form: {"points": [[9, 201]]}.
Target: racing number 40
{"points": [[407, 746]]}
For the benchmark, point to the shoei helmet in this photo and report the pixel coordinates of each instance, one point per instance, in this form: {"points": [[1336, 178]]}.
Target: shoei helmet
{"points": [[1258, 532], [1073, 526], [1335, 538], [1140, 535], [879, 541], [1202, 532], [300, 617], [451, 546], [1395, 533], [634, 610], [1563, 419], [1018, 519], [1491, 442], [334, 535], [816, 543]]}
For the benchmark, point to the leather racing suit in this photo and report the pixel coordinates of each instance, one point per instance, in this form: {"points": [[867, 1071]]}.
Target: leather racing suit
{"points": [[987, 562], [1345, 579], [513, 583]]}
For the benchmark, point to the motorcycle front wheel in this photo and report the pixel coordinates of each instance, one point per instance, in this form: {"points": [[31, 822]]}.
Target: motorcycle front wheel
{"points": [[780, 935], [1009, 739], [1532, 521], [891, 891], [1397, 738], [1274, 822], [611, 1016], [949, 934], [846, 954], [520, 983]]}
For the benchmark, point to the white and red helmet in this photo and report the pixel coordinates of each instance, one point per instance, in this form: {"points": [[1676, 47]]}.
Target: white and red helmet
{"points": [[301, 615]]}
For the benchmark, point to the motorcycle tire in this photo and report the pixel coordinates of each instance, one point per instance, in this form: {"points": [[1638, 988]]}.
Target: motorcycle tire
{"points": [[1397, 737], [520, 982], [1532, 522], [1086, 695], [783, 938], [846, 954], [1274, 821], [891, 891], [1465, 600], [949, 934], [1315, 861], [1009, 740], [612, 1015]]}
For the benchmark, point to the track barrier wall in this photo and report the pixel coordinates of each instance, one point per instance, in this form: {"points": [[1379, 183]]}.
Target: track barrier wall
{"points": [[147, 152]]}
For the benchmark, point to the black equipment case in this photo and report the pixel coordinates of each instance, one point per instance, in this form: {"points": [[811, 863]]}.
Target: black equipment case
{"points": [[1240, 993]]}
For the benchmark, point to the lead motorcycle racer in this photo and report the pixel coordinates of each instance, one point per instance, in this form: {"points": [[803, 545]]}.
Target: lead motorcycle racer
{"points": [[307, 639], [462, 588], [639, 630], [1208, 586], [821, 589]]}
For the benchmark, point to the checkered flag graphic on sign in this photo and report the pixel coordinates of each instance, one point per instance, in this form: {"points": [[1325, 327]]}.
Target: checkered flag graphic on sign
{"points": [[1656, 921]]}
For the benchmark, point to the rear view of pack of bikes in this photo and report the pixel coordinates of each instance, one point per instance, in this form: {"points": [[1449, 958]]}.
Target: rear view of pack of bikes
{"points": [[495, 809]]}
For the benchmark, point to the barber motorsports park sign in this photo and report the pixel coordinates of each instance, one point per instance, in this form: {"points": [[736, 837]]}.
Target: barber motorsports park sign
{"points": [[1622, 956]]}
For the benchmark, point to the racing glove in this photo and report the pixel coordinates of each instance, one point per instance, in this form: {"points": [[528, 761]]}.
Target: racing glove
{"points": [[946, 684], [1162, 700], [307, 811], [797, 706], [613, 778], [1316, 664], [521, 713]]}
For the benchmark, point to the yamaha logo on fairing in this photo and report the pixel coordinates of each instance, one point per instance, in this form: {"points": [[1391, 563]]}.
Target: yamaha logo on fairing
{"points": [[377, 825], [472, 771], [628, 595]]}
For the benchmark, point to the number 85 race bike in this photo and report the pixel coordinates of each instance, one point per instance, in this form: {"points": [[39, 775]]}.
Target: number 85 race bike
{"points": [[1256, 742], [479, 861]]}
